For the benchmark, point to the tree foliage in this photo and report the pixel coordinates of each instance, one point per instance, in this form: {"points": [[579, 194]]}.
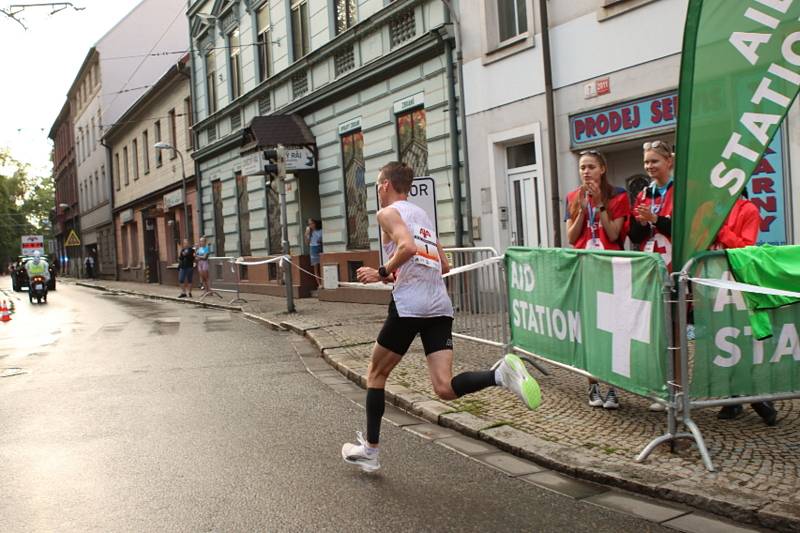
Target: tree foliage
{"points": [[25, 205]]}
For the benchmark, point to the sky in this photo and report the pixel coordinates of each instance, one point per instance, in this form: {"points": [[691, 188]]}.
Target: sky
{"points": [[38, 67]]}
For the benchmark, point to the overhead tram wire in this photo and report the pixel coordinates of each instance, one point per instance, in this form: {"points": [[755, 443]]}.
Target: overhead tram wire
{"points": [[179, 52], [105, 126]]}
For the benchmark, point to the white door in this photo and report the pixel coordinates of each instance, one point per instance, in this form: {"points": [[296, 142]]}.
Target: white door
{"points": [[524, 211]]}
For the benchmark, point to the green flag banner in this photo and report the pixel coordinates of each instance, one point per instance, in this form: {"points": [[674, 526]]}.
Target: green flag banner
{"points": [[602, 312], [740, 72], [728, 360]]}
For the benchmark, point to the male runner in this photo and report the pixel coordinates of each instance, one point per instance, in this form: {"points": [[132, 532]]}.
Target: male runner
{"points": [[420, 304]]}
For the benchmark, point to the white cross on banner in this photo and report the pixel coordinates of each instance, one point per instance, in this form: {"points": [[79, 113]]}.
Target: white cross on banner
{"points": [[622, 315]]}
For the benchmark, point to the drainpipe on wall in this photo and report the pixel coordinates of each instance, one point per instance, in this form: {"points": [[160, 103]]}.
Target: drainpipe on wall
{"points": [[193, 119], [451, 111], [110, 182], [198, 193], [552, 162], [452, 15]]}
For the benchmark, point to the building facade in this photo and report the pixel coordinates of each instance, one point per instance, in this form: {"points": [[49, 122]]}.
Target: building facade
{"points": [[94, 196], [115, 72], [615, 75], [148, 183], [67, 219], [369, 80]]}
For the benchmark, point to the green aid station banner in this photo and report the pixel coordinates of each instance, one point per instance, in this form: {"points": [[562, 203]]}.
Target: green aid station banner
{"points": [[728, 360], [740, 72], [602, 312]]}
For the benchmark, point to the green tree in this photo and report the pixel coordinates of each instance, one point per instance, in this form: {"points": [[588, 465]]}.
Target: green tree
{"points": [[25, 205]]}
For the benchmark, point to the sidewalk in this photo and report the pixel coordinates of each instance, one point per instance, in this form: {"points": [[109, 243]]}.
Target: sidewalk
{"points": [[758, 466]]}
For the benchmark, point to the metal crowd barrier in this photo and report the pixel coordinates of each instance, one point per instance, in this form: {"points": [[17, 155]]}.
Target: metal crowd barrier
{"points": [[216, 273], [476, 287], [685, 397]]}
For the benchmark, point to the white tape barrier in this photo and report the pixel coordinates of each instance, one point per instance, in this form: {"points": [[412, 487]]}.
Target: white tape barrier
{"points": [[282, 258], [378, 285], [453, 272], [473, 266], [743, 287]]}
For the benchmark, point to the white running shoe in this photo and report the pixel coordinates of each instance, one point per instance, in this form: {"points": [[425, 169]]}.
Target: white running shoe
{"points": [[611, 400], [515, 377], [595, 400], [356, 454]]}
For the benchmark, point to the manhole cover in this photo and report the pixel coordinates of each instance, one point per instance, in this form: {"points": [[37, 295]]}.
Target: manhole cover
{"points": [[8, 372]]}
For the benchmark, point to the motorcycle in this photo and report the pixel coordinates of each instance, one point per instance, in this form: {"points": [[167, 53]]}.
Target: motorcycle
{"points": [[37, 289]]}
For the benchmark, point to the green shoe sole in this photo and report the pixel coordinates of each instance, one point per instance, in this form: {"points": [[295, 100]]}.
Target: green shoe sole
{"points": [[531, 392]]}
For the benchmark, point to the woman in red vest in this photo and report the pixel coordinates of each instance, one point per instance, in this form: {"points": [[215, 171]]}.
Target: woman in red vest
{"points": [[596, 211], [651, 227], [596, 218]]}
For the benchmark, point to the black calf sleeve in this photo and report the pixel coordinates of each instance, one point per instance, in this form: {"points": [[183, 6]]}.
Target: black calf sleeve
{"points": [[469, 382], [375, 406]]}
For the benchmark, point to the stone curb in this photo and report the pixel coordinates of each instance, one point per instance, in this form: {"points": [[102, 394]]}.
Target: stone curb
{"points": [[560, 458], [267, 322], [544, 453], [160, 297]]}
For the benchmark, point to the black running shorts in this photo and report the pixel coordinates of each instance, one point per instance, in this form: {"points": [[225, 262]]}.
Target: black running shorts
{"points": [[398, 332]]}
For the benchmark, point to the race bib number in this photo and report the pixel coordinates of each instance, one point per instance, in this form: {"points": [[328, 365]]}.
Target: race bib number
{"points": [[595, 244], [427, 253]]}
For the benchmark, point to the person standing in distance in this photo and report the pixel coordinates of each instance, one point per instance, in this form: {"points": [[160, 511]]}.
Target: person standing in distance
{"points": [[596, 217], [419, 305], [202, 254], [185, 269], [313, 237]]}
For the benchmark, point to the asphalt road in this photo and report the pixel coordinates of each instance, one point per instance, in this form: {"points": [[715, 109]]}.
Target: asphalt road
{"points": [[124, 414]]}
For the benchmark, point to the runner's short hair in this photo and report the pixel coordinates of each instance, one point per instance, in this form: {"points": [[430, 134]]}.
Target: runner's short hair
{"points": [[399, 174]]}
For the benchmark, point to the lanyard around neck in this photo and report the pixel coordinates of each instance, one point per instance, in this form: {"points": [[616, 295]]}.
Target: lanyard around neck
{"points": [[592, 212]]}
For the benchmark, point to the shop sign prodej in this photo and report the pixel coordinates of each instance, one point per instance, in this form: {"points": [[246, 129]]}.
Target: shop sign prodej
{"points": [[630, 118]]}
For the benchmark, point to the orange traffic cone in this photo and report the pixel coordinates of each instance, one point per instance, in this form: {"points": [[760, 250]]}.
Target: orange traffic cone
{"points": [[5, 316]]}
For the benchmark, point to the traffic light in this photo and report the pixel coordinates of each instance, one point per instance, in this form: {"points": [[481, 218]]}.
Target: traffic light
{"points": [[275, 161], [271, 161]]}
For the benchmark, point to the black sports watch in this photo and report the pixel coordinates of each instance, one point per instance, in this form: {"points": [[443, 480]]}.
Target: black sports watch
{"points": [[382, 272]]}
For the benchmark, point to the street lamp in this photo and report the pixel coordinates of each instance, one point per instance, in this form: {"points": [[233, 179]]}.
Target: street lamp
{"points": [[166, 146]]}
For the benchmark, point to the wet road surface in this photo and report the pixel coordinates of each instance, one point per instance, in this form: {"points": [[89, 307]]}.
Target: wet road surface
{"points": [[126, 414]]}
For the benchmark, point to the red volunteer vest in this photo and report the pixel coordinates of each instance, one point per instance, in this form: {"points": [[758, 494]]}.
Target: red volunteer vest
{"points": [[618, 206]]}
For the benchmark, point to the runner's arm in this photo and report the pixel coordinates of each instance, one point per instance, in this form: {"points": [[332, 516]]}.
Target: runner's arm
{"points": [[394, 227], [395, 230], [443, 258]]}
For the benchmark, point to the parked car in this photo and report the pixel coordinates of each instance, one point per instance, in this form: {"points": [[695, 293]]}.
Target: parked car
{"points": [[19, 276]]}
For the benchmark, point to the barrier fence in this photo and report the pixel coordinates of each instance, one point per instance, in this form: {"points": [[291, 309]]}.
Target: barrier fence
{"points": [[599, 314], [476, 286], [729, 365], [217, 267]]}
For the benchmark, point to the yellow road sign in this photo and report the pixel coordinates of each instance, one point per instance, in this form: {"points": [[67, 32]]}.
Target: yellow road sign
{"points": [[72, 239]]}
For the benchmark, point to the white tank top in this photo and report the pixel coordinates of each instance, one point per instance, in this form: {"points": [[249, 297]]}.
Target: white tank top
{"points": [[419, 290]]}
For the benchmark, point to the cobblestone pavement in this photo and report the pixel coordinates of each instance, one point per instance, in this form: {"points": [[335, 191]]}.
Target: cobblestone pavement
{"points": [[758, 467]]}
